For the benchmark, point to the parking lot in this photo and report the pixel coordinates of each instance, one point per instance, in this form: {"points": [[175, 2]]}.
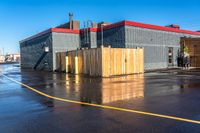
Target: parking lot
{"points": [[154, 102]]}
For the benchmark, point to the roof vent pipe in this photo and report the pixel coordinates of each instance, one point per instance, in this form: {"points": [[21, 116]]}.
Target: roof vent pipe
{"points": [[70, 20], [173, 26]]}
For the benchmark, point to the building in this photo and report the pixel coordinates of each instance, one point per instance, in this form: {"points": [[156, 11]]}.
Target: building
{"points": [[161, 43], [39, 51], [12, 58], [2, 58], [16, 57]]}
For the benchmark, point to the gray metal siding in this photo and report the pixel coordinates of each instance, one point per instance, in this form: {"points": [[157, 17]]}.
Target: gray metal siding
{"points": [[93, 39], [155, 45], [84, 39], [64, 42], [88, 39], [32, 53], [114, 37], [157, 59]]}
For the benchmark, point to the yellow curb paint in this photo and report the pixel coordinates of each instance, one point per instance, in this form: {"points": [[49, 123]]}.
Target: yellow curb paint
{"points": [[105, 106]]}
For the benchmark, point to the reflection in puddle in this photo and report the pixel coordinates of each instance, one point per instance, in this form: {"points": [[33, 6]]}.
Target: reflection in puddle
{"points": [[122, 91], [105, 90]]}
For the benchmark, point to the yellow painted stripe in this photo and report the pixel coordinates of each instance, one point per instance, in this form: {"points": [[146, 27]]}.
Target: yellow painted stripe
{"points": [[105, 106]]}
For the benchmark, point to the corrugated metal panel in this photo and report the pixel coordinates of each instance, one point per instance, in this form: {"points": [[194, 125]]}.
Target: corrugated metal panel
{"points": [[63, 42], [155, 45], [93, 39], [114, 37], [33, 50]]}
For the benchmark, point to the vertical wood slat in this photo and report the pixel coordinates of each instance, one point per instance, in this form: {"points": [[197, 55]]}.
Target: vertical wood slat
{"points": [[61, 61], [105, 61], [67, 64], [57, 61], [194, 52]]}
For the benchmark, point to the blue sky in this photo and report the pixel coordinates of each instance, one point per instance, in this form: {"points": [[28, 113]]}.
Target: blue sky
{"points": [[23, 18]]}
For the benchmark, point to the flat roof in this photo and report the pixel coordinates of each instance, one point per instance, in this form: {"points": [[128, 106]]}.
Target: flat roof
{"points": [[146, 26], [162, 28], [114, 25], [58, 30]]}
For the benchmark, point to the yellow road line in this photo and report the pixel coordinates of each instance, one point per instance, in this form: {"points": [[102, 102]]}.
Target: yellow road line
{"points": [[105, 106]]}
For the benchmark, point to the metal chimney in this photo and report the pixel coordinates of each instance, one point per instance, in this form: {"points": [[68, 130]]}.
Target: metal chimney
{"points": [[70, 20]]}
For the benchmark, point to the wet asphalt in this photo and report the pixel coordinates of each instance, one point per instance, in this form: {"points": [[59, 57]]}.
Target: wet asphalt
{"points": [[172, 92]]}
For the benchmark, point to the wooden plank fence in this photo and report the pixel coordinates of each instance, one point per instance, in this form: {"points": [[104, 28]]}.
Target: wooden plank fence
{"points": [[104, 61], [61, 61], [193, 45]]}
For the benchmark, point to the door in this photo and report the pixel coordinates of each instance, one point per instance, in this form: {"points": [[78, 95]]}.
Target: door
{"points": [[170, 56]]}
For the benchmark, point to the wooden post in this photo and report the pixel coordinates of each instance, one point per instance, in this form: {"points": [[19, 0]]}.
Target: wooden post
{"points": [[109, 67], [67, 64], [76, 64], [141, 56]]}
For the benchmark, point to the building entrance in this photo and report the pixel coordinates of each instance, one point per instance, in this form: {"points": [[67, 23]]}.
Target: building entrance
{"points": [[170, 56]]}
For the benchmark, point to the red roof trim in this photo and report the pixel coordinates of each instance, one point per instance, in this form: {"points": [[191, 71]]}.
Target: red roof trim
{"points": [[110, 26], [35, 36], [162, 28], [122, 23], [93, 29], [147, 26], [62, 30], [58, 30], [90, 29]]}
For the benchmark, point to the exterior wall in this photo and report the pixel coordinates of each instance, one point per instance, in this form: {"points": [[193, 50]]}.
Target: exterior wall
{"points": [[63, 42], [93, 40], [114, 37], [33, 55], [155, 45], [88, 40], [85, 39]]}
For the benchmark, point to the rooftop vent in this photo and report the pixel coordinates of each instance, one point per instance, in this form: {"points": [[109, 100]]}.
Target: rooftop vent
{"points": [[103, 24], [70, 20], [173, 26]]}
